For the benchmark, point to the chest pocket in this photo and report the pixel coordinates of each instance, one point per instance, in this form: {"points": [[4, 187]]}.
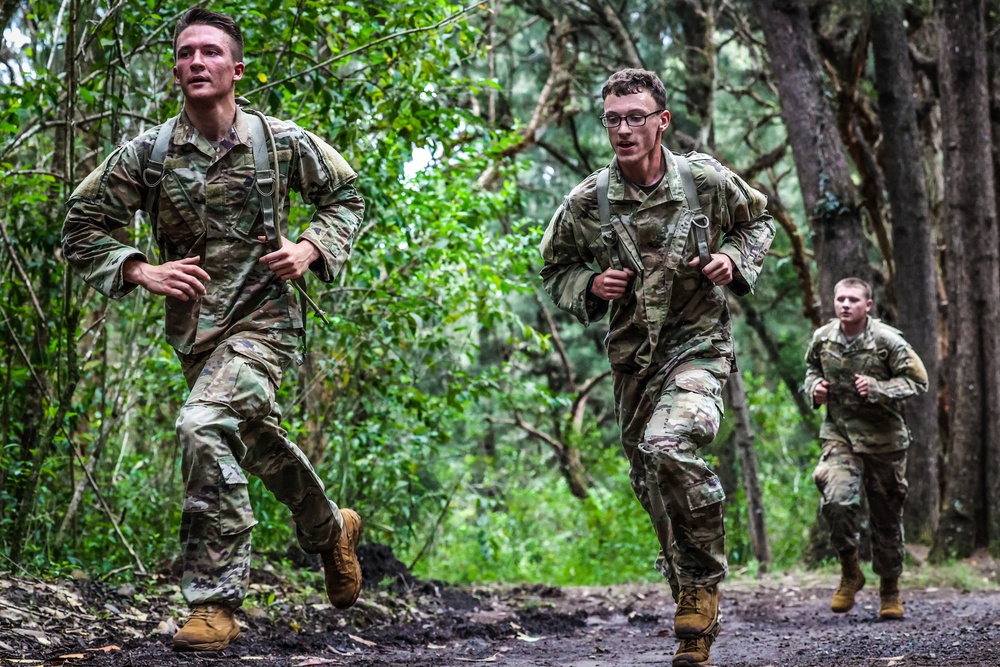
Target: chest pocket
{"points": [[178, 227], [234, 199], [837, 367]]}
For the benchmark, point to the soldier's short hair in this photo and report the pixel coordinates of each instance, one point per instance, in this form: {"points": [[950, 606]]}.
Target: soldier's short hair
{"points": [[224, 22], [856, 283], [630, 81]]}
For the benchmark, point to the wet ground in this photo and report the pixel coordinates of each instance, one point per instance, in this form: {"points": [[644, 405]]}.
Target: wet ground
{"points": [[780, 620]]}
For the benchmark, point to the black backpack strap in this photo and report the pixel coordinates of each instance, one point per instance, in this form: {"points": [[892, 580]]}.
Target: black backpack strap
{"points": [[608, 233], [700, 220]]}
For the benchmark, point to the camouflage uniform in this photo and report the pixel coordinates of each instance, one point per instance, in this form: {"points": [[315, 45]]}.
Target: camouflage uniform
{"points": [[670, 339], [236, 341], [864, 439]]}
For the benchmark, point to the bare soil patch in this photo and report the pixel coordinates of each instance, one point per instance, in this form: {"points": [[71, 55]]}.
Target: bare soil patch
{"points": [[405, 622]]}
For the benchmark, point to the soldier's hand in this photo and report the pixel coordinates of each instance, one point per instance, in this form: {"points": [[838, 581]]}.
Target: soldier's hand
{"points": [[719, 270], [821, 392], [611, 284], [292, 261], [861, 384], [182, 279]]}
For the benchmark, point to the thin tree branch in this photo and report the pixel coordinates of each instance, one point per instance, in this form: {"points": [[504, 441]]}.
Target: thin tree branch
{"points": [[579, 407], [346, 54], [557, 341]]}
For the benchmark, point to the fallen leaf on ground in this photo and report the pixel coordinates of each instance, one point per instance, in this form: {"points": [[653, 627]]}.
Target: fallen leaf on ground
{"points": [[525, 638], [72, 656], [363, 642], [167, 626], [107, 649], [318, 661], [492, 658]]}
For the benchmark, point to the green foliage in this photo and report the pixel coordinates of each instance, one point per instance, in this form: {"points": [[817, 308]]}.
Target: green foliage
{"points": [[414, 402], [530, 534]]}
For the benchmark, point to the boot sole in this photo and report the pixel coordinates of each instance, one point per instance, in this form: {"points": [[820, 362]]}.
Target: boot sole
{"points": [[687, 660]]}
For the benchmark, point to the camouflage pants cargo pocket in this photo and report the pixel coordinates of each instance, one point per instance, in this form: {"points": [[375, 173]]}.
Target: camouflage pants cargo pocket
{"points": [[842, 476], [231, 385], [686, 417], [838, 474], [681, 485], [244, 385], [235, 511]]}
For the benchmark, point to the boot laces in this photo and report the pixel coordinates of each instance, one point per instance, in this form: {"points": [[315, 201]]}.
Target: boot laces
{"points": [[202, 612], [687, 601]]}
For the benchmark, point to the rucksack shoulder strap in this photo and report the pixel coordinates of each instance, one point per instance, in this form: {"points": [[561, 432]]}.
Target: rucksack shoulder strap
{"points": [[608, 233], [153, 173], [267, 174], [700, 221]]}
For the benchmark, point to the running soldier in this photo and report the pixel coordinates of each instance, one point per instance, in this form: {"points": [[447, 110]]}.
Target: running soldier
{"points": [[214, 182]]}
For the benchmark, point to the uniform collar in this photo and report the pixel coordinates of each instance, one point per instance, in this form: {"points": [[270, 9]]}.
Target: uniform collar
{"points": [[669, 189], [864, 335], [186, 133]]}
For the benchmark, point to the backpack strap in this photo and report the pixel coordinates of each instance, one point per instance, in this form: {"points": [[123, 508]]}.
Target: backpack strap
{"points": [[153, 173], [266, 180], [700, 220], [608, 233], [266, 165]]}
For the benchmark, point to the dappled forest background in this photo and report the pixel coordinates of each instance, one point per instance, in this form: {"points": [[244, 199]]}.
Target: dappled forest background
{"points": [[470, 423]]}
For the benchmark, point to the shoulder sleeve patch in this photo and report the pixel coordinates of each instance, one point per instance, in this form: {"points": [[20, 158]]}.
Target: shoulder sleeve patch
{"points": [[92, 187]]}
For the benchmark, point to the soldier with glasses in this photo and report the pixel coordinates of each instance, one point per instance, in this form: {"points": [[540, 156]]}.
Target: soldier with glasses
{"points": [[667, 232]]}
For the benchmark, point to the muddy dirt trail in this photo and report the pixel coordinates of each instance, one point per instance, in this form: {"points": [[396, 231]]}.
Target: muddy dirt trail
{"points": [[777, 621]]}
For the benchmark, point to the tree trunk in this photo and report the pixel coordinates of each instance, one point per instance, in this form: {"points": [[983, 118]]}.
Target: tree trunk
{"points": [[828, 193], [697, 19], [913, 243], [736, 394], [970, 514]]}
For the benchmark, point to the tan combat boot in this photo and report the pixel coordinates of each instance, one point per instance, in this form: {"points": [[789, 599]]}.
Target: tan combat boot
{"points": [[697, 611], [890, 601], [340, 564], [696, 651], [210, 627], [852, 580]]}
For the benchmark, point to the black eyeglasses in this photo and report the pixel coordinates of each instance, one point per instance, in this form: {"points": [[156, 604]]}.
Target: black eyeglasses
{"points": [[633, 119]]}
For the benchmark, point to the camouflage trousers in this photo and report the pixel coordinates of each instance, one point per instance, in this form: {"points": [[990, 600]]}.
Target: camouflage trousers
{"points": [[840, 476], [231, 424], [664, 419]]}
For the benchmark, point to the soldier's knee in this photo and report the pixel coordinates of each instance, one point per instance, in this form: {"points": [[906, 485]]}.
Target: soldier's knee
{"points": [[191, 420]]}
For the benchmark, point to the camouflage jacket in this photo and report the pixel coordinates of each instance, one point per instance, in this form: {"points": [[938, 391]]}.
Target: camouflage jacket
{"points": [[207, 206], [894, 371], [673, 312]]}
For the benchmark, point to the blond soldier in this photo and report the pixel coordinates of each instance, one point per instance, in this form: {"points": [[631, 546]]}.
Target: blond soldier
{"points": [[231, 313], [667, 233], [862, 369]]}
